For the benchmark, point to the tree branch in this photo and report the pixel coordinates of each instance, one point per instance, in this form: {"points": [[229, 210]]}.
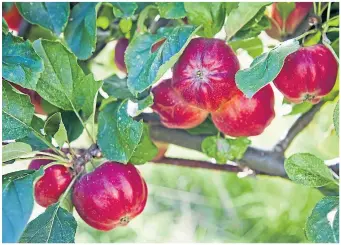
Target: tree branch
{"points": [[297, 127]]}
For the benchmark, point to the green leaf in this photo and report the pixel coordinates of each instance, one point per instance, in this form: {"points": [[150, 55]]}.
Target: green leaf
{"points": [[253, 46], [54, 127], [210, 15], [124, 10], [118, 133], [4, 26], [285, 9], [335, 45], [144, 67], [17, 202], [240, 16], [323, 224], [63, 83], [336, 118], [313, 39], [144, 103], [72, 125], [20, 64], [80, 32], [17, 113], [171, 10], [117, 87], [52, 16], [254, 27], [55, 225], [15, 150], [264, 68], [307, 169], [225, 149], [334, 21], [300, 108], [205, 128], [146, 149], [36, 143]]}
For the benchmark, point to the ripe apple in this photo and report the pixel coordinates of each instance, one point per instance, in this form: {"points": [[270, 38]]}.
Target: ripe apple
{"points": [[110, 196], [13, 18], [281, 28], [241, 116], [204, 73], [52, 184], [174, 112], [120, 49], [307, 74]]}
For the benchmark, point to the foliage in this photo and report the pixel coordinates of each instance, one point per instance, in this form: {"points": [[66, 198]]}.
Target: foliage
{"points": [[62, 50]]}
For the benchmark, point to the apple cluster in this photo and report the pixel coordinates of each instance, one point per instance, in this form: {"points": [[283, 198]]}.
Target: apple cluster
{"points": [[110, 196]]}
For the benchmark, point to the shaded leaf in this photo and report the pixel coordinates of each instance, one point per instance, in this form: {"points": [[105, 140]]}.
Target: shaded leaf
{"points": [[4, 26], [17, 203], [15, 150], [240, 16], [171, 10], [264, 68], [118, 133], [307, 169], [55, 225], [145, 67], [72, 125], [54, 127], [17, 113], [146, 149], [20, 64], [323, 224], [300, 108], [117, 87], [80, 32], [52, 16], [285, 9], [124, 10], [210, 15], [205, 128]]}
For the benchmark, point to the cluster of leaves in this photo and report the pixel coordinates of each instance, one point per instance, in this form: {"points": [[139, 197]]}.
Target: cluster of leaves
{"points": [[57, 69]]}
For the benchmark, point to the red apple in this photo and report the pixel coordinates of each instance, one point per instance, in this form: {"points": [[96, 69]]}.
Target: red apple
{"points": [[174, 112], [241, 116], [120, 49], [37, 163], [204, 74], [307, 74], [281, 28], [13, 18], [110, 196]]}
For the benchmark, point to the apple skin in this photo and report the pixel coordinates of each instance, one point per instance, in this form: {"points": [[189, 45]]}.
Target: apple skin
{"points": [[13, 18], [110, 196], [34, 97], [120, 49], [157, 45], [243, 117], [307, 74], [294, 19], [52, 184], [174, 112], [204, 74]]}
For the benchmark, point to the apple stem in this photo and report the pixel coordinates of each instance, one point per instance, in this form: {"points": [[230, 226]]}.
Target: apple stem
{"points": [[86, 156]]}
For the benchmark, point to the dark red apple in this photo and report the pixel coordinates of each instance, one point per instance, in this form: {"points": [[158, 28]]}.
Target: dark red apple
{"points": [[204, 74], [37, 163], [13, 18], [307, 74], [120, 49], [34, 97], [110, 196], [241, 116], [281, 28], [174, 112]]}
